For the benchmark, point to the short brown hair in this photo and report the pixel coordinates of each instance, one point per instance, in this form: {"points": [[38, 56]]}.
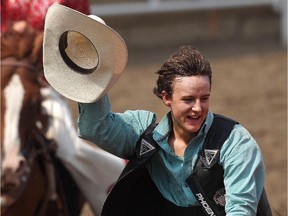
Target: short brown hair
{"points": [[186, 61]]}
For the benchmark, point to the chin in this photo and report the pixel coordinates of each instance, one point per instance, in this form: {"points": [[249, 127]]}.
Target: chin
{"points": [[193, 129]]}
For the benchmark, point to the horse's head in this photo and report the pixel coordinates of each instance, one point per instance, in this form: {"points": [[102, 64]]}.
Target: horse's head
{"points": [[23, 119], [22, 41], [34, 119]]}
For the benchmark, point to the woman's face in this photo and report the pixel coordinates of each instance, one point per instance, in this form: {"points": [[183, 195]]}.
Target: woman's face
{"points": [[189, 104]]}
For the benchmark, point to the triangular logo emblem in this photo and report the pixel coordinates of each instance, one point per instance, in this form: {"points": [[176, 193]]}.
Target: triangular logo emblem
{"points": [[145, 147], [210, 155]]}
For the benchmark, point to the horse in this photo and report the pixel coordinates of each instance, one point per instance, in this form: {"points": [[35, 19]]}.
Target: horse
{"points": [[40, 150], [32, 178]]}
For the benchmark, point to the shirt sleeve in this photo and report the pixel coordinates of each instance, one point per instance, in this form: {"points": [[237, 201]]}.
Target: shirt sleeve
{"points": [[244, 172], [116, 133]]}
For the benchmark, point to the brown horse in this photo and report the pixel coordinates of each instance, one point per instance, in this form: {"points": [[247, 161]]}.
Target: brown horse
{"points": [[33, 180]]}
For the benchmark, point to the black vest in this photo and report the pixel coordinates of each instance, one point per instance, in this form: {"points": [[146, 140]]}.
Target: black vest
{"points": [[135, 194]]}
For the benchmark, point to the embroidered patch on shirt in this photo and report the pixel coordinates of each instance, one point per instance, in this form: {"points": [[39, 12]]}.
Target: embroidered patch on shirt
{"points": [[210, 155], [219, 197], [145, 147]]}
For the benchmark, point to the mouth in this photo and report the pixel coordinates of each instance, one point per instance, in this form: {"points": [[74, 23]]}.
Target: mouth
{"points": [[194, 120], [193, 117]]}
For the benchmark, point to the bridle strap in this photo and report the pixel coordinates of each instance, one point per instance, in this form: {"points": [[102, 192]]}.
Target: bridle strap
{"points": [[46, 150], [11, 61]]}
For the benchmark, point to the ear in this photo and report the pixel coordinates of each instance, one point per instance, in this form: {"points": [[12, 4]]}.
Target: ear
{"points": [[166, 100]]}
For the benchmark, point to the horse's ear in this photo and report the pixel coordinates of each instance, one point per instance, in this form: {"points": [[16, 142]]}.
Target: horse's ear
{"points": [[36, 54], [23, 36]]}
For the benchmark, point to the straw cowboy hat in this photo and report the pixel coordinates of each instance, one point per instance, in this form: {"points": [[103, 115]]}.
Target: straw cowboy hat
{"points": [[82, 56]]}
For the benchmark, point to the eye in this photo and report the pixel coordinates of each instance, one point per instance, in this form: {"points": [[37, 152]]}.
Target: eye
{"points": [[204, 99], [188, 100]]}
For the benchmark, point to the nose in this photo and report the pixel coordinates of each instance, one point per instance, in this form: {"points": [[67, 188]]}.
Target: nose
{"points": [[8, 180], [197, 106], [11, 178]]}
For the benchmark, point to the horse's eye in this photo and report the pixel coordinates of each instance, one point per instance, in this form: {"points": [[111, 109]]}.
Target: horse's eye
{"points": [[28, 147], [26, 153]]}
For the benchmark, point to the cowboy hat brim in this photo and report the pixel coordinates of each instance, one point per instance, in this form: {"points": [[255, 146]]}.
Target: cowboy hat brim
{"points": [[110, 47]]}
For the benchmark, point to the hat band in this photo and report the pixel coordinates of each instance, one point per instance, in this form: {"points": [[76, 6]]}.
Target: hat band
{"points": [[63, 44]]}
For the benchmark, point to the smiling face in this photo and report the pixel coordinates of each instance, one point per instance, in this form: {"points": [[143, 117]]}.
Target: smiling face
{"points": [[189, 104]]}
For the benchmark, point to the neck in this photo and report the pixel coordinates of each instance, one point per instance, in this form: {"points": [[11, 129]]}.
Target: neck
{"points": [[179, 141]]}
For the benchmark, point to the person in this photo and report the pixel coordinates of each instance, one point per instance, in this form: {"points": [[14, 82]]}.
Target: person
{"points": [[184, 85]]}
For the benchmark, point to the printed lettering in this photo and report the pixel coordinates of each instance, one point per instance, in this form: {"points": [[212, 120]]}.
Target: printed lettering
{"points": [[205, 204]]}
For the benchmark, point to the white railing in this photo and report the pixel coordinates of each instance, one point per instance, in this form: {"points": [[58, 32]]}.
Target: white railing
{"points": [[158, 6]]}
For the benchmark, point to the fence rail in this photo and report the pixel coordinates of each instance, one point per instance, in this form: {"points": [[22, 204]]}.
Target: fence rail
{"points": [[158, 6]]}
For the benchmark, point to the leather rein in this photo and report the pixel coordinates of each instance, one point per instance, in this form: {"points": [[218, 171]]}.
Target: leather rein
{"points": [[13, 62]]}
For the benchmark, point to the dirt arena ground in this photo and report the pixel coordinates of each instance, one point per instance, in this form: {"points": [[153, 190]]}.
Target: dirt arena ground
{"points": [[248, 86]]}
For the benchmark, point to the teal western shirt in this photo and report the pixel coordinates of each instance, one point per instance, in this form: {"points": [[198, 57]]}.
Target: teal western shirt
{"points": [[240, 155]]}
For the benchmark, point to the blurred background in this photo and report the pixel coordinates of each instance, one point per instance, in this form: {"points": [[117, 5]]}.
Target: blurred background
{"points": [[246, 43]]}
